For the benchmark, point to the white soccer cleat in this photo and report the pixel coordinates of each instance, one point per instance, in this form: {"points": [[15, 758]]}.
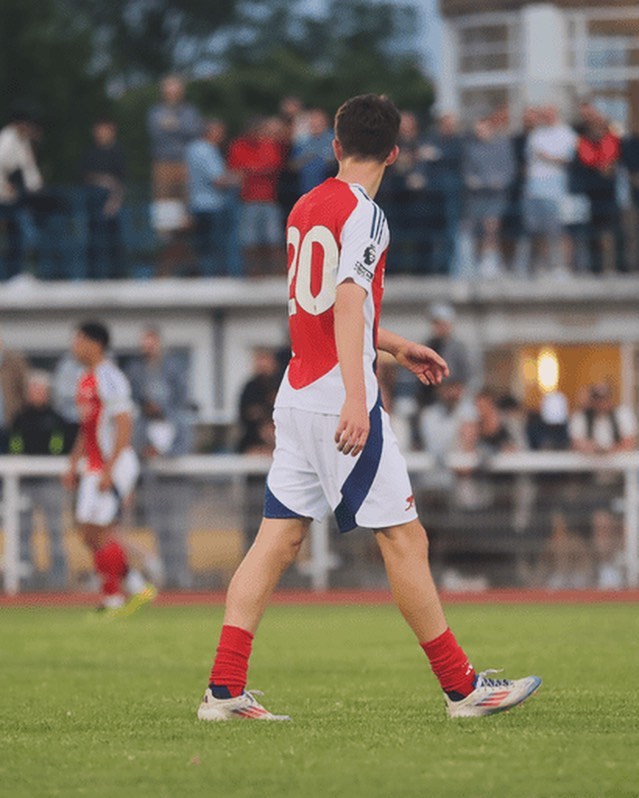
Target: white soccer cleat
{"points": [[492, 695], [244, 707]]}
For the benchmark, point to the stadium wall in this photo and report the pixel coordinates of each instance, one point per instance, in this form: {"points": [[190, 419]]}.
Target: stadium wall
{"points": [[218, 322]]}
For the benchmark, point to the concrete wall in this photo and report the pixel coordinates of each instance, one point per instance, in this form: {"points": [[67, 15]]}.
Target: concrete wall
{"points": [[220, 321]]}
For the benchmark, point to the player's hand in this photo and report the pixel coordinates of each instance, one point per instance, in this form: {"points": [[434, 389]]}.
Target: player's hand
{"points": [[69, 479], [352, 430], [106, 481], [423, 362]]}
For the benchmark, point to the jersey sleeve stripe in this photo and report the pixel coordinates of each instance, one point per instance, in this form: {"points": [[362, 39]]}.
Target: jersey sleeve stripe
{"points": [[374, 222], [380, 227]]}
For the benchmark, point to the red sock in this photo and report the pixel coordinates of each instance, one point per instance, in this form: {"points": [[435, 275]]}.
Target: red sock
{"points": [[111, 563], [450, 665], [231, 662]]}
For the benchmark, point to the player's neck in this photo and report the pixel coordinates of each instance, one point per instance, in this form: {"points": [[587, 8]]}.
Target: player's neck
{"points": [[95, 362], [367, 174]]}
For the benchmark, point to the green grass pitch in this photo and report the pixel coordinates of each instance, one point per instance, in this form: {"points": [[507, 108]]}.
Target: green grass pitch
{"points": [[101, 709]]}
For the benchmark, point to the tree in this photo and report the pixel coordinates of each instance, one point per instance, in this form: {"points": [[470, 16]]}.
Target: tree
{"points": [[356, 47], [46, 62], [137, 41]]}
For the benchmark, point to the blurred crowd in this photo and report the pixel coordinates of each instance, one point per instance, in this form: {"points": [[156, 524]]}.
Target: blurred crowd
{"points": [[554, 199], [549, 530], [539, 529]]}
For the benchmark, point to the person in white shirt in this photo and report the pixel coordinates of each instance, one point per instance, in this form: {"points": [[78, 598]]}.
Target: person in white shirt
{"points": [[550, 148], [19, 176]]}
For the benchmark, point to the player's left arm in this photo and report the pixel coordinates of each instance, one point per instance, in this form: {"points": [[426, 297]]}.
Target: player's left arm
{"points": [[429, 367], [354, 424], [115, 393], [122, 429]]}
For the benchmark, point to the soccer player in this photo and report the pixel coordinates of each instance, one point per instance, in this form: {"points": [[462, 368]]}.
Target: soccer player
{"points": [[110, 471], [335, 449]]}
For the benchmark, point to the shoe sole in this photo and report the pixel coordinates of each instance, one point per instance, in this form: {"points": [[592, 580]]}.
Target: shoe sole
{"points": [[223, 717], [533, 689]]}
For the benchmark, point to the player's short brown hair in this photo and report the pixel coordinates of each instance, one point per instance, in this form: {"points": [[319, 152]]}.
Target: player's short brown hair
{"points": [[367, 127]]}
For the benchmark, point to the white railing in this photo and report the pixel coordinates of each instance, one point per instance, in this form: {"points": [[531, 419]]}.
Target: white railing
{"points": [[15, 468]]}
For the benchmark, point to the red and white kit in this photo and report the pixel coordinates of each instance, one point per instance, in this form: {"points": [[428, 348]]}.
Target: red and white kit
{"points": [[336, 232], [103, 394]]}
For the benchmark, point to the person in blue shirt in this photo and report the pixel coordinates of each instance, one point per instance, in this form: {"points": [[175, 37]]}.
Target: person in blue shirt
{"points": [[312, 155], [210, 198]]}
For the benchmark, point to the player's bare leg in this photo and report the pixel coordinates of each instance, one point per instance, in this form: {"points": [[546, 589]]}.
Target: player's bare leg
{"points": [[467, 694], [405, 552], [275, 548]]}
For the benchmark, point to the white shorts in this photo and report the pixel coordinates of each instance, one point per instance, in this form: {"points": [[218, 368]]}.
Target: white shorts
{"points": [[94, 506], [309, 477]]}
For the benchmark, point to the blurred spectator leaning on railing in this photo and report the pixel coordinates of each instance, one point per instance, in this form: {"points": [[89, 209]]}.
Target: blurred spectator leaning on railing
{"points": [[545, 200]]}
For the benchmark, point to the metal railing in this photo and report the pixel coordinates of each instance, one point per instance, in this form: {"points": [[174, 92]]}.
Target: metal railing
{"points": [[14, 469]]}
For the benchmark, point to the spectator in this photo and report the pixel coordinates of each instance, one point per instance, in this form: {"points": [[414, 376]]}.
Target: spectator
{"points": [[19, 179], [257, 430], [258, 156], [211, 201], [64, 387], [405, 198], [513, 221], [257, 399], [159, 387], [550, 149], [38, 430], [295, 127], [602, 428], [103, 170], [514, 418], [444, 342], [488, 171], [172, 124], [13, 391], [293, 115], [548, 428], [443, 424], [492, 433], [312, 156], [598, 151], [630, 159], [443, 152]]}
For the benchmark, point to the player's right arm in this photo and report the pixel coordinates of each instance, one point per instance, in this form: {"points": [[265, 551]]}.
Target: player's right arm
{"points": [[352, 430], [70, 476]]}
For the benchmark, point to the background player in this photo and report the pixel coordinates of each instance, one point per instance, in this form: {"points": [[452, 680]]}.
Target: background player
{"points": [[110, 469], [335, 449]]}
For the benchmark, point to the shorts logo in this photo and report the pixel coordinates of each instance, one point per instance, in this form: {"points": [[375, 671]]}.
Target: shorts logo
{"points": [[364, 272], [369, 255], [410, 503]]}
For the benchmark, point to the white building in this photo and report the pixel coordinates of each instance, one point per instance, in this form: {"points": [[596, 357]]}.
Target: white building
{"points": [[517, 53]]}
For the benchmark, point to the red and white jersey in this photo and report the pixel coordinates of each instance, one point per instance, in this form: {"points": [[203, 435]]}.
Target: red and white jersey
{"points": [[102, 394], [334, 233]]}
